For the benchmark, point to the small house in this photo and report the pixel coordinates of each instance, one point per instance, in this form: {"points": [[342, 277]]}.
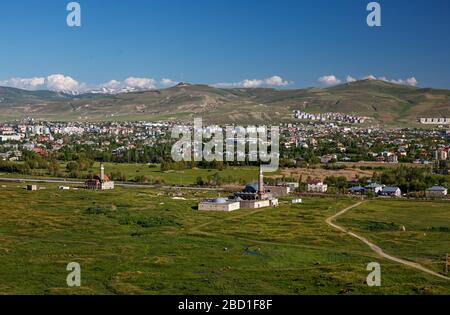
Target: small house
{"points": [[357, 190], [436, 192], [374, 188], [390, 192], [317, 186]]}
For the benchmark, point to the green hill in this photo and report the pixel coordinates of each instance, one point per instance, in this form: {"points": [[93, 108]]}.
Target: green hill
{"points": [[386, 103]]}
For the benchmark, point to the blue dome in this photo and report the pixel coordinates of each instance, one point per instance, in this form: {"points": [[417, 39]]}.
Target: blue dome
{"points": [[251, 188]]}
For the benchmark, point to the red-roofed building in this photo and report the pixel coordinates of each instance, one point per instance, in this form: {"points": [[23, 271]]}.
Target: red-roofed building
{"points": [[40, 151]]}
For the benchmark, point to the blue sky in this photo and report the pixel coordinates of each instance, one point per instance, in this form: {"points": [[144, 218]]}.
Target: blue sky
{"points": [[226, 41]]}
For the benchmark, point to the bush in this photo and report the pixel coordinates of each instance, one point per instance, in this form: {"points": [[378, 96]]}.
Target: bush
{"points": [[96, 210], [148, 222]]}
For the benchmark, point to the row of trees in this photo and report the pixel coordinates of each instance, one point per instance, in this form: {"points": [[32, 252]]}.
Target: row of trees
{"points": [[32, 164], [410, 179]]}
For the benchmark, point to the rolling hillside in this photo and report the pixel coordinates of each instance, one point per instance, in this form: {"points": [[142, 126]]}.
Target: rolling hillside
{"points": [[386, 103]]}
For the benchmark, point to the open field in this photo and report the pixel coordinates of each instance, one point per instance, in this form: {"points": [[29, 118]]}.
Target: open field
{"points": [[132, 241], [320, 173], [154, 174], [232, 175], [427, 236], [357, 165], [182, 177]]}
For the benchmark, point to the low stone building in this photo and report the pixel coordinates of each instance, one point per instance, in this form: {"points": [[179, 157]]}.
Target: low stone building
{"points": [[256, 204], [279, 191], [219, 204]]}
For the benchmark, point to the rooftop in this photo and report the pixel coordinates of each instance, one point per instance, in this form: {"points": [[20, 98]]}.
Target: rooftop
{"points": [[437, 188]]}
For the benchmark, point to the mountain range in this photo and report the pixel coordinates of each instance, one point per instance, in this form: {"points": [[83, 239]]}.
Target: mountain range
{"points": [[384, 102]]}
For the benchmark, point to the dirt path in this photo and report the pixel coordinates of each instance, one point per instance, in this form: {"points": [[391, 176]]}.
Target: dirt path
{"points": [[376, 248]]}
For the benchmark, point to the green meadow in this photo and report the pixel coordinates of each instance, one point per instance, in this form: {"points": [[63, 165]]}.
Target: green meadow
{"points": [[153, 173], [416, 230], [181, 177], [149, 241]]}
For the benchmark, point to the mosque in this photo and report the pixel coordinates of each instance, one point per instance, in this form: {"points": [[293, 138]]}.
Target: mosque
{"points": [[100, 181], [253, 196]]}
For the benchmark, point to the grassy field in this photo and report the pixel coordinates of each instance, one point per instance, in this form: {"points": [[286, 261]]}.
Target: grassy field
{"points": [[150, 241], [427, 236], [234, 175], [238, 175], [183, 177]]}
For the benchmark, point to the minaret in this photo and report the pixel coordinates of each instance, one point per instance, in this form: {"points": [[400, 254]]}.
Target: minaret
{"points": [[102, 172], [261, 183]]}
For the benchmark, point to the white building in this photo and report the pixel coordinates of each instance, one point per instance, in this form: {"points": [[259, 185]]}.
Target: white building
{"points": [[317, 187], [436, 192], [10, 138], [435, 121], [390, 192], [374, 187], [441, 154]]}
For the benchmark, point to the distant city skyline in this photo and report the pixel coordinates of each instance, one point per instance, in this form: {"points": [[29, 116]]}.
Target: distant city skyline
{"points": [[123, 46]]}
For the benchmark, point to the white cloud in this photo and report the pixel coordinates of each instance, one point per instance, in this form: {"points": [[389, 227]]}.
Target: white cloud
{"points": [[274, 81], [350, 79], [252, 83], [412, 81], [168, 82], [113, 84], [409, 81], [62, 83], [25, 83], [67, 84], [140, 83], [369, 77], [54, 82], [128, 85], [329, 80]]}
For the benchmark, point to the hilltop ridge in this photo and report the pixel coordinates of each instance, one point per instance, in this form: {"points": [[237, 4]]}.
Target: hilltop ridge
{"points": [[384, 102]]}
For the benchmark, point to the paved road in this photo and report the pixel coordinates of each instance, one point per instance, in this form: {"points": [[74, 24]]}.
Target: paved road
{"points": [[119, 184], [376, 248]]}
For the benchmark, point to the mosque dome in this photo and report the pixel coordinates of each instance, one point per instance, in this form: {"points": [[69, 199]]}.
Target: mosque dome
{"points": [[251, 188], [219, 200]]}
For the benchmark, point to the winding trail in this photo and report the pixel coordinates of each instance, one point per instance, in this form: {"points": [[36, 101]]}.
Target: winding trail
{"points": [[376, 248]]}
